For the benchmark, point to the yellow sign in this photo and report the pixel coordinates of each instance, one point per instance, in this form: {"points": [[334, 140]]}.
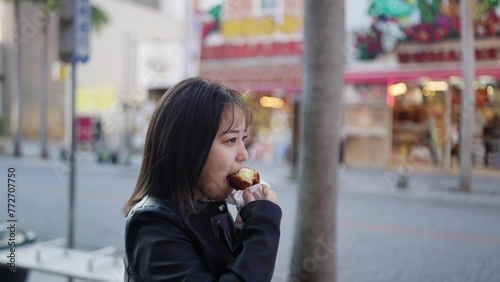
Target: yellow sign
{"points": [[248, 27], [95, 99]]}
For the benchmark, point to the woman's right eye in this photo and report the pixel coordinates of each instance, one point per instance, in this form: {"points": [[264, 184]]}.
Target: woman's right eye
{"points": [[232, 141]]}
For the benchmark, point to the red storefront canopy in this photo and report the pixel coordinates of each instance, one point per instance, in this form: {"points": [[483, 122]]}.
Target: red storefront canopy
{"points": [[289, 77], [411, 75]]}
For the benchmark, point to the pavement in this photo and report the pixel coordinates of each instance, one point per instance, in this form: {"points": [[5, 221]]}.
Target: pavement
{"points": [[420, 179], [421, 183]]}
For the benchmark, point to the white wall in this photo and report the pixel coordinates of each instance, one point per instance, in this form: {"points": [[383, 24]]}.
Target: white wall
{"points": [[108, 47], [357, 17], [174, 8], [112, 62]]}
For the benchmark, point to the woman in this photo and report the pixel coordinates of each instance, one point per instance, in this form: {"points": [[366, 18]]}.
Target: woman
{"points": [[178, 226]]}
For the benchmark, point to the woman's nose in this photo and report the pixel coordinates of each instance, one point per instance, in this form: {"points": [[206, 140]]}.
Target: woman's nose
{"points": [[242, 153]]}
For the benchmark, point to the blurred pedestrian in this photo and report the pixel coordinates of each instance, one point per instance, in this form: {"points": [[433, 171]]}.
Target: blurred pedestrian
{"points": [[178, 225], [343, 139], [491, 138], [455, 142], [97, 131]]}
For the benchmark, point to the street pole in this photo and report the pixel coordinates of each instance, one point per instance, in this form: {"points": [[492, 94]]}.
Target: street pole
{"points": [[43, 99], [72, 171], [126, 94], [19, 101], [468, 105], [447, 129]]}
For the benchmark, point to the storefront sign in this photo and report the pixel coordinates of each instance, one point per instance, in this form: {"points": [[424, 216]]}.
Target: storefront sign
{"points": [[248, 27], [445, 55], [95, 99], [160, 63], [252, 50], [373, 93]]}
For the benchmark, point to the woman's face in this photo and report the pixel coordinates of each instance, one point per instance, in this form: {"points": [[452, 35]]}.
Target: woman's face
{"points": [[226, 157]]}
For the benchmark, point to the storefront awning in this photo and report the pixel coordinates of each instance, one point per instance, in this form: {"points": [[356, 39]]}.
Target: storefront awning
{"points": [[259, 79], [410, 75], [288, 78]]}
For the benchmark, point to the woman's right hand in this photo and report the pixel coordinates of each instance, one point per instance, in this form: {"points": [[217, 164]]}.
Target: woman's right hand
{"points": [[267, 194]]}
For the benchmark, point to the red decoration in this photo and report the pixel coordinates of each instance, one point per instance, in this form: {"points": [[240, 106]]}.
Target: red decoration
{"points": [[491, 53], [404, 58], [455, 24], [253, 50], [453, 55], [440, 56], [440, 33], [493, 23]]}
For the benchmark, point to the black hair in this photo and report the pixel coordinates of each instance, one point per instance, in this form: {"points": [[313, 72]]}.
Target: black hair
{"points": [[180, 135]]}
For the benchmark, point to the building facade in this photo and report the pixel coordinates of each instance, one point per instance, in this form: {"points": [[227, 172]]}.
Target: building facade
{"points": [[139, 50], [30, 43], [401, 91]]}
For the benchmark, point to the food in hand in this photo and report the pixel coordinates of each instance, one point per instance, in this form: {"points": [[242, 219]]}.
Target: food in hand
{"points": [[244, 178]]}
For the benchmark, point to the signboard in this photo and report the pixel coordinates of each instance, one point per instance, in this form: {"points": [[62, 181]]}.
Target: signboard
{"points": [[83, 27], [160, 63], [94, 100], [231, 51], [261, 26]]}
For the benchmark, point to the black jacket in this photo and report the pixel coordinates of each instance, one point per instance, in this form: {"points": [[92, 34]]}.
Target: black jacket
{"points": [[162, 245]]}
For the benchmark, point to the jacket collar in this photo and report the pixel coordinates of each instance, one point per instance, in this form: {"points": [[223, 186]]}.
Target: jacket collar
{"points": [[212, 208], [208, 208]]}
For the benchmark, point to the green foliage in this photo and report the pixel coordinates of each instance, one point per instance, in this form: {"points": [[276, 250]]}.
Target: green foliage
{"points": [[390, 8], [493, 3], [99, 17]]}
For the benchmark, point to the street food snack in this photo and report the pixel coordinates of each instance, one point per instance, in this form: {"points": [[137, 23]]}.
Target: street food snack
{"points": [[244, 178]]}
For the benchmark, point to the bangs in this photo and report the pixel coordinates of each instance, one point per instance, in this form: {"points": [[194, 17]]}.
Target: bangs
{"points": [[236, 110]]}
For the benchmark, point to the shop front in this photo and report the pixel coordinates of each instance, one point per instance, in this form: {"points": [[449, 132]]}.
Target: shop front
{"points": [[271, 91], [425, 114], [416, 51], [366, 128]]}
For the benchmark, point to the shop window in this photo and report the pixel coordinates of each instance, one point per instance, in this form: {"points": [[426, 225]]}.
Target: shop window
{"points": [[272, 8]]}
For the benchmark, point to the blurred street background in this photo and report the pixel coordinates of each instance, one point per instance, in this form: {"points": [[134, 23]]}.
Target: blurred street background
{"points": [[424, 233], [402, 215]]}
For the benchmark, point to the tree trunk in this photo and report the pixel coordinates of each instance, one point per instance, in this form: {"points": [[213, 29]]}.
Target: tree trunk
{"points": [[468, 100], [43, 99], [18, 78], [314, 257]]}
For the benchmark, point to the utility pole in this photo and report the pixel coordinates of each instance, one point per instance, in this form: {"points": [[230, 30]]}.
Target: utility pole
{"points": [[468, 105]]}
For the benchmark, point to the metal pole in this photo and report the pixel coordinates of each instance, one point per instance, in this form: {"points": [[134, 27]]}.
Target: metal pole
{"points": [[468, 106], [72, 159], [126, 97], [72, 171], [44, 80], [447, 131], [68, 100], [19, 101]]}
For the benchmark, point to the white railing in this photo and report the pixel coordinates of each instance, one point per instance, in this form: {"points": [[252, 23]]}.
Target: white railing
{"points": [[53, 257]]}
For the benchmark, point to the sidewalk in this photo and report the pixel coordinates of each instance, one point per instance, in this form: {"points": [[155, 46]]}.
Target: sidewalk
{"points": [[424, 184], [31, 152], [421, 183], [421, 179]]}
